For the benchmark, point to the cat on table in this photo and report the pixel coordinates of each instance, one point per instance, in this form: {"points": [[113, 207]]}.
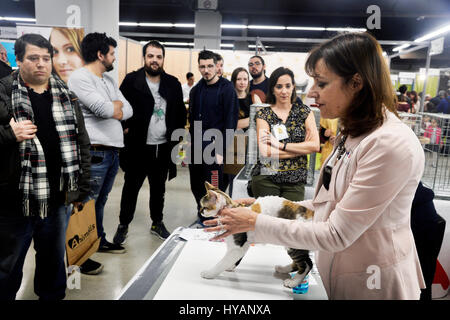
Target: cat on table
{"points": [[237, 245]]}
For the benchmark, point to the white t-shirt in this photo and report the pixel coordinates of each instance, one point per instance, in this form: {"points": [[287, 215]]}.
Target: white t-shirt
{"points": [[157, 127], [186, 90]]}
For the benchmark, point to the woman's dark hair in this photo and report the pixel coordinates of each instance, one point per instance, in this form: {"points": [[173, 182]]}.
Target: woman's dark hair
{"points": [[95, 42], [32, 39], [281, 71], [234, 76], [358, 53], [414, 97], [156, 44]]}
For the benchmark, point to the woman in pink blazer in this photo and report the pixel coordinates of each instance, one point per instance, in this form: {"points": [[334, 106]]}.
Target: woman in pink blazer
{"points": [[362, 203]]}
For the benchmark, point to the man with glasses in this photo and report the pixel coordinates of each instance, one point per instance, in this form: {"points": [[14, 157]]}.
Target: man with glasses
{"points": [[257, 69], [213, 104]]}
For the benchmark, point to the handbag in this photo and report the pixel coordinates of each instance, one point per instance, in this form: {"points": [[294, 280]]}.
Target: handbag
{"points": [[81, 235]]}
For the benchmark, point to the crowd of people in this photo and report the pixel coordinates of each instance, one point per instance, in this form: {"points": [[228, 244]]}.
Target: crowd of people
{"points": [[409, 101], [66, 127]]}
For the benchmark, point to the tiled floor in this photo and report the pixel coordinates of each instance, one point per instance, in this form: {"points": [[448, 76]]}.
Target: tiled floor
{"points": [[120, 268]]}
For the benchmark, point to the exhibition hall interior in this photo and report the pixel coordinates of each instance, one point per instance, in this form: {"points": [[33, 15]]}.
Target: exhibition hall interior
{"points": [[154, 243]]}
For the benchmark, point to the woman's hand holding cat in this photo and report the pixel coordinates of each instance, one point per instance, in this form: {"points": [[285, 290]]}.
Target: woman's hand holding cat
{"points": [[235, 220]]}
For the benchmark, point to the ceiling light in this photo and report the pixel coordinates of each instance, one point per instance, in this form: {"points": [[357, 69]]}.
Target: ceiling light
{"points": [[347, 29], [184, 44], [306, 28], [267, 27], [184, 25], [233, 26], [254, 46], [434, 33], [227, 45], [400, 48], [151, 24], [127, 24], [18, 19]]}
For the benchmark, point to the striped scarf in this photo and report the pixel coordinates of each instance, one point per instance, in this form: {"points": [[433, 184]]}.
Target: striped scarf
{"points": [[33, 179]]}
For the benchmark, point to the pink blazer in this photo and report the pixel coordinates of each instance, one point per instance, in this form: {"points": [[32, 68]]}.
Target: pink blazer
{"points": [[361, 226]]}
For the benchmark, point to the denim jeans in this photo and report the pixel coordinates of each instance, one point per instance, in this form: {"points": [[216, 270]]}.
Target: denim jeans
{"points": [[49, 235], [104, 168]]}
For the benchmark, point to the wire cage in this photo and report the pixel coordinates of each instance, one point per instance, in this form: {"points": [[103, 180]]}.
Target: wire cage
{"points": [[433, 131]]}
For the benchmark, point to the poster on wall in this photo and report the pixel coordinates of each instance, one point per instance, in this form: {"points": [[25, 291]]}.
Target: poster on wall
{"points": [[66, 43], [11, 57]]}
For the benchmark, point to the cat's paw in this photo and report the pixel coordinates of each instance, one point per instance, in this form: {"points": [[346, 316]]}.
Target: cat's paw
{"points": [[208, 274], [291, 283], [283, 269]]}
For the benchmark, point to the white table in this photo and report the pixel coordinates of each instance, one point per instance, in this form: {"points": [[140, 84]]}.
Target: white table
{"points": [[173, 273]]}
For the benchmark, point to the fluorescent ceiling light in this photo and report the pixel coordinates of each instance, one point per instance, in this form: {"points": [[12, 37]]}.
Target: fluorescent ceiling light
{"points": [[400, 48], [178, 43], [227, 45], [233, 26], [128, 24], [347, 29], [151, 24], [267, 27], [306, 28], [18, 19], [254, 46], [184, 25], [172, 43], [434, 33], [158, 24]]}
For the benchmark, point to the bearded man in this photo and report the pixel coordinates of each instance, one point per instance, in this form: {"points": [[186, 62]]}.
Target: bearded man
{"points": [[104, 107], [158, 110]]}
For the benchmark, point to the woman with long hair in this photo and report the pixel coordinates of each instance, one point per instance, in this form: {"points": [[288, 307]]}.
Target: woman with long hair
{"points": [[67, 57]]}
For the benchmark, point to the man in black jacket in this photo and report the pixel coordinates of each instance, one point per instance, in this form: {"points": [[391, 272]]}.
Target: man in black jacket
{"points": [[213, 108], [158, 109], [44, 169]]}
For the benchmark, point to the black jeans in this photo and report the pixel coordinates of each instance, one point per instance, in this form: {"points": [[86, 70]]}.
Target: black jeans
{"points": [[153, 164], [199, 173], [49, 235]]}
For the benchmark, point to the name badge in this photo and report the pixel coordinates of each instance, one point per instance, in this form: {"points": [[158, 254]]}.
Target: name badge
{"points": [[280, 132]]}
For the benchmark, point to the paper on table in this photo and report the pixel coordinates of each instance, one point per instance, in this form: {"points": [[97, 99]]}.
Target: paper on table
{"points": [[196, 234]]}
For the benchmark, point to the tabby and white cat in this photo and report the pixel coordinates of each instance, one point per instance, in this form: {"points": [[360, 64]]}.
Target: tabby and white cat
{"points": [[238, 244]]}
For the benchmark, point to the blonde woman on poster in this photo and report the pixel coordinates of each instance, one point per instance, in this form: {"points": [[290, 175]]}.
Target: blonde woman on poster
{"points": [[67, 53]]}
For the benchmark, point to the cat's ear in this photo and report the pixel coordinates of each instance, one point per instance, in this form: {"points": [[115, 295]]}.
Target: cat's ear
{"points": [[209, 186], [212, 195]]}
